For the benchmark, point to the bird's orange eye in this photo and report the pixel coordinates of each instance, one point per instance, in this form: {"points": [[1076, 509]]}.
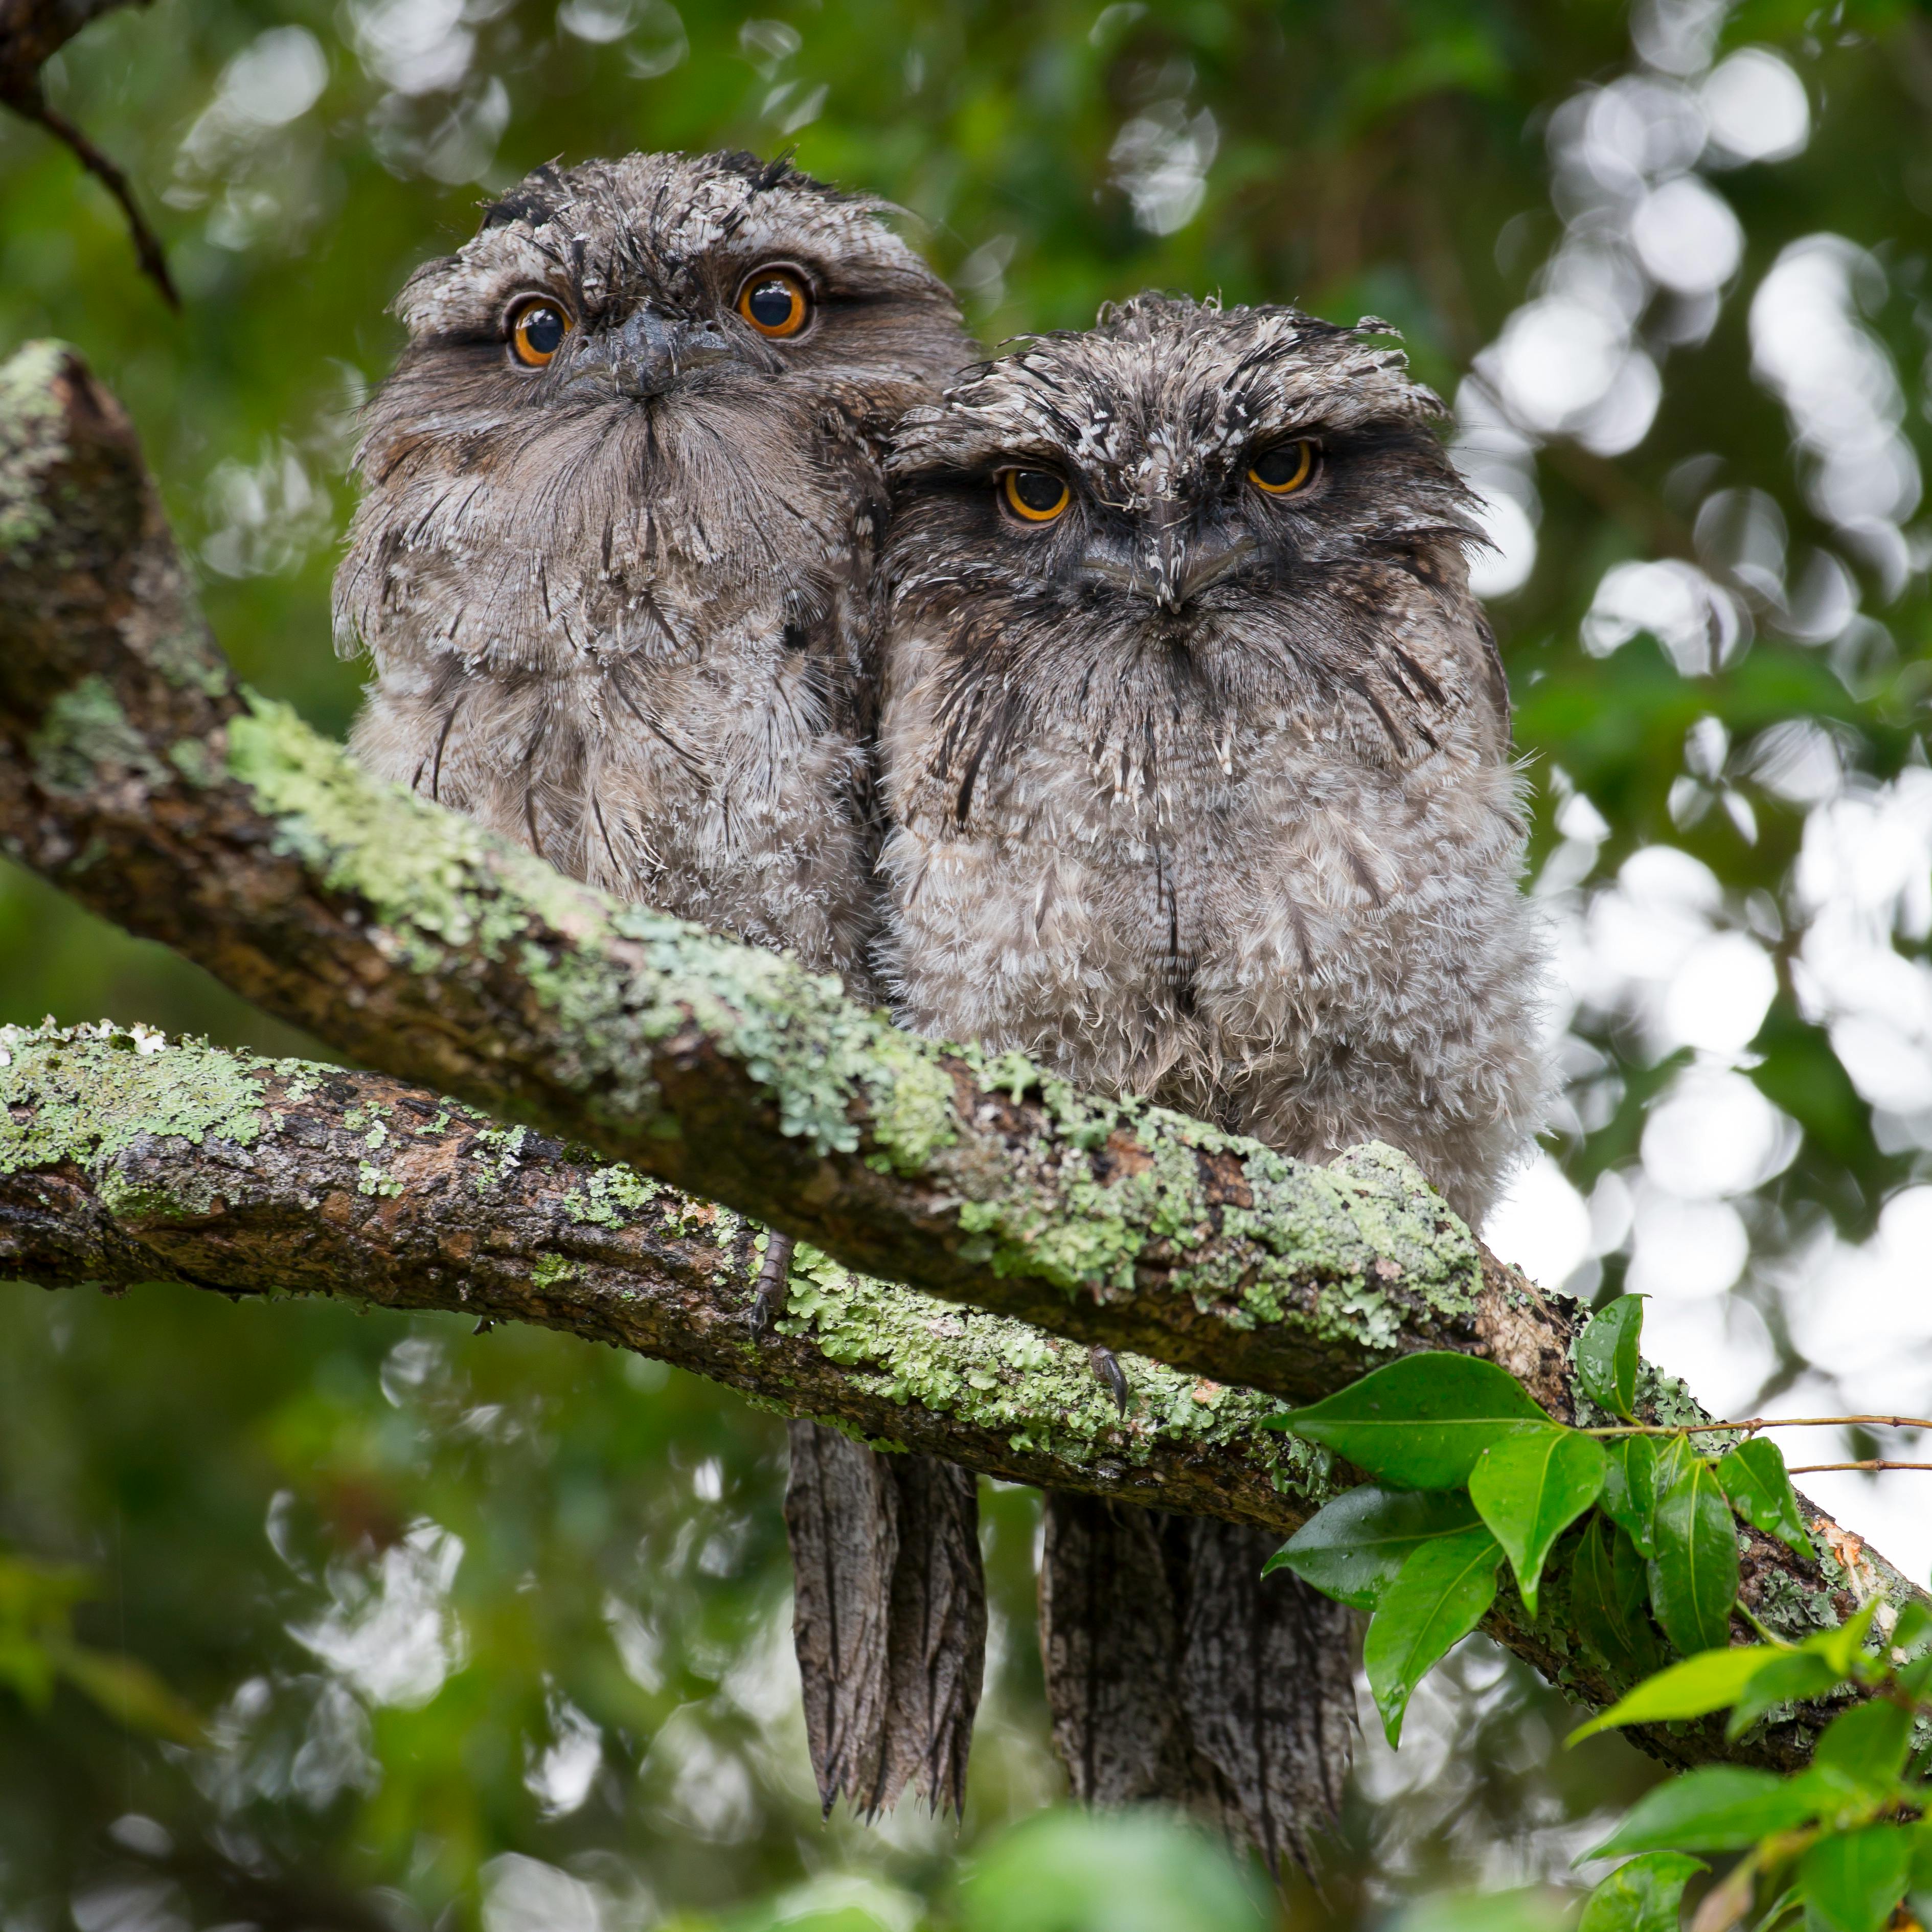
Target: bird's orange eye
{"points": [[1038, 495], [776, 302], [1285, 469], [537, 328]]}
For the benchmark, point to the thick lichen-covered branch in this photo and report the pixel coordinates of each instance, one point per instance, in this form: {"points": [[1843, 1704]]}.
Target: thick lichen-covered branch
{"points": [[125, 1158], [141, 779]]}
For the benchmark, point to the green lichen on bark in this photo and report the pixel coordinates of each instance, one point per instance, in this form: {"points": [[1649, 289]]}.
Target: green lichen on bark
{"points": [[610, 1195], [31, 443], [1370, 1229], [1363, 1227], [421, 869], [85, 733], [88, 1093], [1037, 1390]]}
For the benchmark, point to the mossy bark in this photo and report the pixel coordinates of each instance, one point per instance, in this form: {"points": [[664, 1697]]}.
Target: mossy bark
{"points": [[137, 776], [125, 1158], [146, 783]]}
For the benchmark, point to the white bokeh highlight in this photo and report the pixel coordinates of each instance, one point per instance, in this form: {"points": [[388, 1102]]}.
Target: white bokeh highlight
{"points": [[1541, 1224], [391, 1633], [1755, 107]]}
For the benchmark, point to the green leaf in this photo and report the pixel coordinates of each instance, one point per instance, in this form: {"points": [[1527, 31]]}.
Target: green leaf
{"points": [[1708, 1681], [1436, 1601], [1915, 1678], [1913, 1628], [1630, 1488], [1718, 1808], [1608, 1589], [1063, 1868], [1529, 1487], [128, 1690], [1921, 1835], [1753, 1476], [1419, 1423], [1866, 1746], [1646, 1895], [1791, 1677], [1674, 1455], [1607, 1355], [1694, 1575], [1353, 1550], [1531, 1909], [1852, 1879], [1843, 1649]]}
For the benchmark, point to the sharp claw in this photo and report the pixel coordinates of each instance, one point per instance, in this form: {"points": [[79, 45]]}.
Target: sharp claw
{"points": [[1107, 1367], [774, 1283]]}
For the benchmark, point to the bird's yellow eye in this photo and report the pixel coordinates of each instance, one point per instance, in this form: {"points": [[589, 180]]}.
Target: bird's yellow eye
{"points": [[1285, 469], [537, 328], [776, 302], [1038, 495]]}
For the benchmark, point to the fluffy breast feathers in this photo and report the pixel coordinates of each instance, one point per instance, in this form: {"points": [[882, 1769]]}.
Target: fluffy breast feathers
{"points": [[1201, 788]]}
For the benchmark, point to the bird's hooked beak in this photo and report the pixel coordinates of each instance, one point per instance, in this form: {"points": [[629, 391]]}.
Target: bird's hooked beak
{"points": [[1173, 558], [649, 354]]}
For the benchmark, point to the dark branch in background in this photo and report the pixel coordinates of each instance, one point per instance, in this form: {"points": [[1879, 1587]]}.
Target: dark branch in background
{"points": [[135, 774], [126, 1159], [31, 32]]}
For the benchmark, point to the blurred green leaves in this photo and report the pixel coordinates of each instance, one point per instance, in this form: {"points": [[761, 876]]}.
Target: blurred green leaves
{"points": [[38, 1651], [1068, 1871]]}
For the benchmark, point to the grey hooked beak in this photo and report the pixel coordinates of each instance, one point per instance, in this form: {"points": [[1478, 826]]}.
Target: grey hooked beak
{"points": [[1170, 552], [649, 354], [1176, 564]]}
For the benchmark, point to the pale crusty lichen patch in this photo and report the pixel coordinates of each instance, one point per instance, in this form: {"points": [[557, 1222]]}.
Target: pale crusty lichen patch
{"points": [[30, 442], [84, 733], [85, 1095], [1038, 1391], [89, 1093]]}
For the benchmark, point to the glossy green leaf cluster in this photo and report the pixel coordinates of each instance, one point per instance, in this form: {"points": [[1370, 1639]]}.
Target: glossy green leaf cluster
{"points": [[1468, 1474], [1837, 1847]]}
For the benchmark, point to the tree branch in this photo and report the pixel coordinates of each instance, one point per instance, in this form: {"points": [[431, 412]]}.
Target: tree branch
{"points": [[141, 779], [144, 782], [31, 32], [124, 1158]]}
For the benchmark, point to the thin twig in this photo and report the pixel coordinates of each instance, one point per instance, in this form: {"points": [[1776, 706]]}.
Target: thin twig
{"points": [[1815, 1469], [147, 246], [1752, 1424]]}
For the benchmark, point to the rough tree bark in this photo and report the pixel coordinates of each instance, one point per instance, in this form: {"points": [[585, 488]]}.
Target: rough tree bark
{"points": [[135, 774], [141, 779]]}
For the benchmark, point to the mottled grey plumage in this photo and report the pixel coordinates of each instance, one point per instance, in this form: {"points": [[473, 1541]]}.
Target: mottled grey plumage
{"points": [[618, 599], [617, 604], [1206, 794]]}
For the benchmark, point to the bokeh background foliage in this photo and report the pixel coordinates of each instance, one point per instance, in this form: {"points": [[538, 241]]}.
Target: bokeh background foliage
{"points": [[494, 1627]]}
